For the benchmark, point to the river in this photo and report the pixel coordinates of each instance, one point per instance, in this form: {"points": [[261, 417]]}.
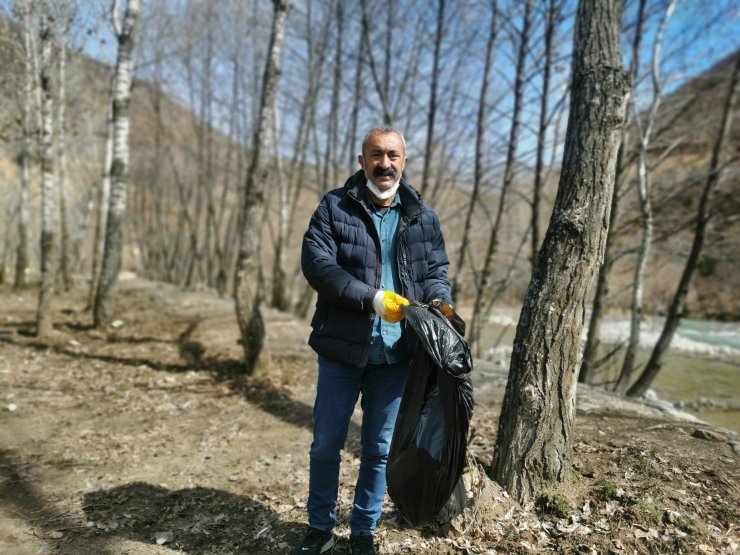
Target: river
{"points": [[701, 370]]}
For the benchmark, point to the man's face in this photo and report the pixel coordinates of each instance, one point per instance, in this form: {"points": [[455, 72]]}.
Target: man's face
{"points": [[383, 159]]}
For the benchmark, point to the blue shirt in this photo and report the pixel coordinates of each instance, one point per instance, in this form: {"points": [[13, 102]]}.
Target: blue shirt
{"points": [[386, 346]]}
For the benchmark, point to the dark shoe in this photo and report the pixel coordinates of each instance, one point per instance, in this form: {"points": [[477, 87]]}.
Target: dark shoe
{"points": [[315, 542], [361, 545]]}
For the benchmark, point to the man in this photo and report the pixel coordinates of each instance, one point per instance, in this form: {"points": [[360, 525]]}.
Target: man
{"points": [[370, 247]]}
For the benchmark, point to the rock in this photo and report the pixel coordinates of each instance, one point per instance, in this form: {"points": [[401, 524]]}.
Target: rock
{"points": [[708, 435], [163, 537], [650, 395], [735, 447]]}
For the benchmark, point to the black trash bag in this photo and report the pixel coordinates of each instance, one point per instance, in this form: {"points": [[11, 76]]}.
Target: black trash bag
{"points": [[427, 454]]}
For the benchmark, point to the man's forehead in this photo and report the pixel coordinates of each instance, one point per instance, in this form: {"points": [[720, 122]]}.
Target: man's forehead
{"points": [[384, 141]]}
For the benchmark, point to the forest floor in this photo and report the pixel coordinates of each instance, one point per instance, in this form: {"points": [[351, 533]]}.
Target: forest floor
{"points": [[135, 439]]}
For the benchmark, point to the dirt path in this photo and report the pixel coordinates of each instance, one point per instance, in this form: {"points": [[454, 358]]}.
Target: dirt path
{"points": [[141, 440]]}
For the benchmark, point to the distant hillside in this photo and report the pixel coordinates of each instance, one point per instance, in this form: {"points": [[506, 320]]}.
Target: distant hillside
{"points": [[690, 116], [178, 167], [686, 130]]}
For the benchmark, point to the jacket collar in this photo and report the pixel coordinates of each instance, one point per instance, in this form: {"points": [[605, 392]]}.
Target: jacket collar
{"points": [[411, 202]]}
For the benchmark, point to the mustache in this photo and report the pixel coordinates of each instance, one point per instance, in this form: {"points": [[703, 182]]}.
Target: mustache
{"points": [[380, 172]]}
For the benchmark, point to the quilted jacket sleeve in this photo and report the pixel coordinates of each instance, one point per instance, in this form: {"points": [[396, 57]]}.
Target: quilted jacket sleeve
{"points": [[319, 265], [437, 285]]}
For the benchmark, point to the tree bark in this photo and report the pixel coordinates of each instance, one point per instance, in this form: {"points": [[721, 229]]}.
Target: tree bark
{"points": [[247, 292], [593, 341], [480, 132], [678, 305], [65, 262], [113, 253], [477, 319], [48, 201], [551, 16], [644, 189], [21, 257], [101, 222], [432, 109], [534, 443]]}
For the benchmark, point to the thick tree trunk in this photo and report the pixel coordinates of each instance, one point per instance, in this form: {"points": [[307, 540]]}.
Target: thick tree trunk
{"points": [[111, 264], [246, 290], [593, 341], [534, 443], [676, 310], [48, 202]]}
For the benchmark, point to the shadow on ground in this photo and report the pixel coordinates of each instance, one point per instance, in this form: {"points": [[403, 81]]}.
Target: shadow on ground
{"points": [[20, 497], [194, 520]]}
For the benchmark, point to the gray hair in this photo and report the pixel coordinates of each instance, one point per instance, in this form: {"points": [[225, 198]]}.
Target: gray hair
{"points": [[383, 131]]}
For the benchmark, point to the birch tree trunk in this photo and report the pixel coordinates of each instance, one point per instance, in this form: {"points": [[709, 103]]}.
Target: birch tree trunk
{"points": [[676, 310], [101, 222], [48, 201], [645, 195], [534, 442], [113, 252], [246, 288]]}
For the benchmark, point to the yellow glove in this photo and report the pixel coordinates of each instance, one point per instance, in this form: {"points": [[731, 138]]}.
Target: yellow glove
{"points": [[387, 305]]}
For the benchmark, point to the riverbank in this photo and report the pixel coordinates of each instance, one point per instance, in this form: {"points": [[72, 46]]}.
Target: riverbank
{"points": [[700, 374]]}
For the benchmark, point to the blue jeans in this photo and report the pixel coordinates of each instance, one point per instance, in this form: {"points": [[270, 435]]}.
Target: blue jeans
{"points": [[338, 389]]}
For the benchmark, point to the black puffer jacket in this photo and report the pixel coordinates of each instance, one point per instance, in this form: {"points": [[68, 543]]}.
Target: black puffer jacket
{"points": [[341, 261]]}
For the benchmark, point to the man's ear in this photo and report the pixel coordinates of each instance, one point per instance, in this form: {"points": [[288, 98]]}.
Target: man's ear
{"points": [[361, 160]]}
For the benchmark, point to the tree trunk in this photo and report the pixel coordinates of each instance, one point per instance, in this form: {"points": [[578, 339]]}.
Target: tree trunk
{"points": [[480, 132], [676, 310], [551, 16], [352, 139], [101, 222], [534, 442], [113, 253], [246, 291], [593, 341], [48, 202], [477, 319], [21, 257], [644, 189], [432, 109], [65, 263], [381, 82]]}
